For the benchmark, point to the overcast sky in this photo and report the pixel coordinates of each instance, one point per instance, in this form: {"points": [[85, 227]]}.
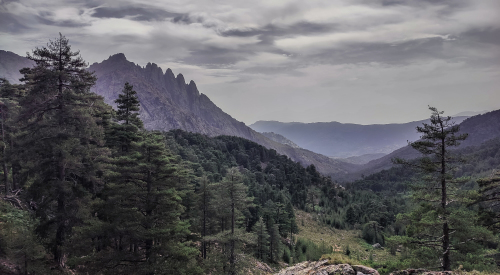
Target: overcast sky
{"points": [[358, 61]]}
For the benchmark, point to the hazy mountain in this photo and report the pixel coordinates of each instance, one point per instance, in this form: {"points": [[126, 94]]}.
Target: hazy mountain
{"points": [[470, 113], [480, 128], [168, 102], [363, 159], [281, 139], [343, 140], [10, 64]]}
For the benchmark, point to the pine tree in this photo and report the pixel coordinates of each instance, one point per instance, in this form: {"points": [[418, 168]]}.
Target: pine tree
{"points": [[121, 134], [205, 199], [62, 136], [230, 202], [260, 230], [141, 231], [440, 222], [128, 106]]}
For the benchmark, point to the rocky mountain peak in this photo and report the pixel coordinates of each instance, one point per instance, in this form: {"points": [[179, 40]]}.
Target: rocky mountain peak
{"points": [[169, 74], [180, 80], [119, 57]]}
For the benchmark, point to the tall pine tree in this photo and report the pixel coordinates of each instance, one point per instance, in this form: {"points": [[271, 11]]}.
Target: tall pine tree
{"points": [[62, 137], [440, 223]]}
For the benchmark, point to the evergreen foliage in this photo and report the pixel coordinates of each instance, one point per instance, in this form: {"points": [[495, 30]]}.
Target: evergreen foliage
{"points": [[128, 106], [441, 222], [62, 138]]}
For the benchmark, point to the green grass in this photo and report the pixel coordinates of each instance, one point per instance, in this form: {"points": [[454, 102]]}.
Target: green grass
{"points": [[311, 228]]}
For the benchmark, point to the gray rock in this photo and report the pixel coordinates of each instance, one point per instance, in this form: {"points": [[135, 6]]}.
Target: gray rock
{"points": [[323, 268], [365, 270]]}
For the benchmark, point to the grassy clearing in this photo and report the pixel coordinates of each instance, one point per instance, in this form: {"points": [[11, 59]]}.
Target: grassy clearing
{"points": [[340, 240]]}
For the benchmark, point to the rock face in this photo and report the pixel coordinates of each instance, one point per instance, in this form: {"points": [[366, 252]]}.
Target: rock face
{"points": [[323, 268], [167, 102]]}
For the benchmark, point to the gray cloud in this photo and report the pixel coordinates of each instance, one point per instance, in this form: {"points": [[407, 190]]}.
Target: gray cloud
{"points": [[139, 13], [10, 24], [312, 60]]}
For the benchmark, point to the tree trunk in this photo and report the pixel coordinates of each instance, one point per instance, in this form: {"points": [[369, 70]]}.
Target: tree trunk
{"points": [[5, 171], [61, 222], [149, 241], [232, 257], [446, 230], [204, 231]]}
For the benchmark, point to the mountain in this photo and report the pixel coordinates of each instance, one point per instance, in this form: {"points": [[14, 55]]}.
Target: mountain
{"points": [[363, 159], [168, 102], [10, 64], [481, 128], [343, 140], [281, 139], [470, 113]]}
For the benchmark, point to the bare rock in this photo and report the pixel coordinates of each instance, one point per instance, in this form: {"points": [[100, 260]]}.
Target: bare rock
{"points": [[323, 268], [364, 270]]}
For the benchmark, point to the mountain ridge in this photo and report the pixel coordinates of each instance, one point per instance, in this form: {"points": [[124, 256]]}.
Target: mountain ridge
{"points": [[344, 140]]}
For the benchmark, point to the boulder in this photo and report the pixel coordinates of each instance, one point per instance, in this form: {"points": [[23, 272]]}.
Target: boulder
{"points": [[364, 270], [323, 268]]}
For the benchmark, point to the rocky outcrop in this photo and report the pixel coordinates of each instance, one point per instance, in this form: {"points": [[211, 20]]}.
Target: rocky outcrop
{"points": [[323, 268]]}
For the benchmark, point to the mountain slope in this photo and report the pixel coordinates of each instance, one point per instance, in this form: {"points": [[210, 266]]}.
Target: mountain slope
{"points": [[480, 128], [167, 102], [10, 64], [281, 139], [343, 140]]}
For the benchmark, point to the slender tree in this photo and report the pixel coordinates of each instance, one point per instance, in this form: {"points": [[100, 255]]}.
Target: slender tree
{"points": [[437, 139], [260, 230]]}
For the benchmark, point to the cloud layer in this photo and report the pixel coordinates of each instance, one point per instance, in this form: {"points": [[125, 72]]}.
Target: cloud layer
{"points": [[361, 61]]}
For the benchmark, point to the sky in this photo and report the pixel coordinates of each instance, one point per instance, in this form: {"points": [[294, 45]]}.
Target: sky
{"points": [[351, 61]]}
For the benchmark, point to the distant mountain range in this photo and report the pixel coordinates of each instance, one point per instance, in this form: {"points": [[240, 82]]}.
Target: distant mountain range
{"points": [[167, 102], [480, 128], [363, 159], [344, 140]]}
